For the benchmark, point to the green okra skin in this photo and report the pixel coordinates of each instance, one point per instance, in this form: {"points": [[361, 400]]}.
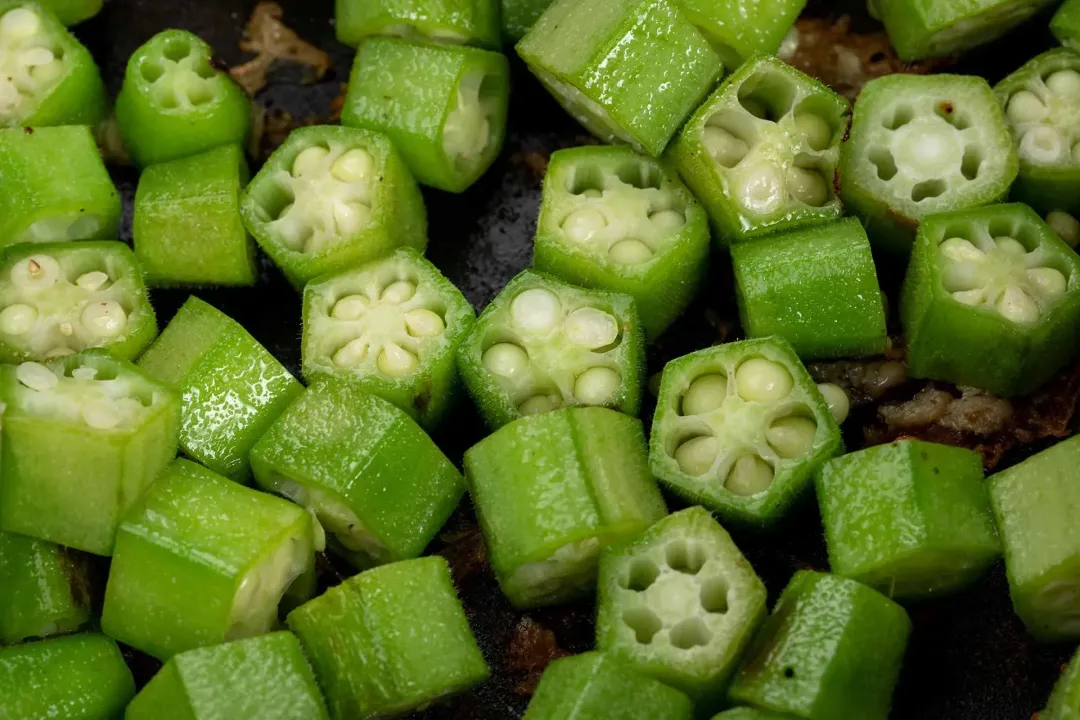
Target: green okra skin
{"points": [[542, 345], [1064, 703], [593, 686], [331, 198], [44, 589], [454, 22], [118, 429], [761, 153], [991, 300], [741, 428], [187, 228], [518, 16], [73, 12], [69, 678], [444, 107], [390, 640], [552, 490], [680, 603], [745, 713], [816, 288], [910, 519], [1066, 25], [629, 71], [393, 325], [614, 220], [739, 29], [921, 145], [831, 650]]}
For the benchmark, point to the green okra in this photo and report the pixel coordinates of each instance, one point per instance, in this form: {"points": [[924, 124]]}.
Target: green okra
{"points": [[831, 650], [629, 71], [741, 428], [1064, 703], [1066, 25], [390, 640], [739, 29], [552, 490], [44, 589], [394, 326], [330, 198], [745, 713], [117, 429], [612, 219], [680, 603], [454, 22], [518, 16], [991, 300], [73, 12], [761, 153]]}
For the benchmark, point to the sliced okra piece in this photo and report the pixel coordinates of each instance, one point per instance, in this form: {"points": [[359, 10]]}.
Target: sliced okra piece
{"points": [[991, 300], [542, 345], [73, 12], [681, 604], [831, 650], [443, 106], [934, 143], [118, 429], [761, 153], [739, 29], [612, 219], [390, 640], [518, 16], [629, 71], [44, 589], [1066, 25], [741, 428], [745, 713], [1064, 702], [453, 22], [330, 198], [394, 326]]}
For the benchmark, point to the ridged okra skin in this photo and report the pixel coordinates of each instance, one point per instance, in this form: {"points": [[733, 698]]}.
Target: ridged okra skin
{"points": [[681, 604], [552, 490], [1066, 25], [614, 220], [831, 650], [389, 641], [44, 589], [921, 145], [453, 22], [739, 29], [251, 679], [518, 16], [991, 300], [73, 12], [629, 71], [741, 428], [1064, 703], [761, 153], [330, 198]]}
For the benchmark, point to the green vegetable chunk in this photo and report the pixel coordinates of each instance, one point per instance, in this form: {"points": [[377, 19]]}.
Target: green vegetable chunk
{"points": [[454, 22], [44, 589], [550, 491], [739, 29], [1065, 701], [73, 12], [745, 713], [518, 16], [1066, 25]]}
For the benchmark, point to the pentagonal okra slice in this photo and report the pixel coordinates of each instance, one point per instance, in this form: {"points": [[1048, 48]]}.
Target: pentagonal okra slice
{"points": [[741, 428], [991, 300], [44, 589], [739, 29], [612, 219], [680, 603], [1064, 703], [453, 22], [761, 153], [921, 145], [330, 198], [608, 71], [393, 325], [542, 345]]}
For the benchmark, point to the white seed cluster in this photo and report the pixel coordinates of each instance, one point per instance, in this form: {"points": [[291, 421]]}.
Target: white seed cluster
{"points": [[576, 560], [467, 131], [79, 397], [255, 605], [30, 62], [1045, 118], [337, 518]]}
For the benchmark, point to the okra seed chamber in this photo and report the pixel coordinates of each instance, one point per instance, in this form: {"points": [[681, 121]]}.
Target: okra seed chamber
{"points": [[1043, 116], [30, 61]]}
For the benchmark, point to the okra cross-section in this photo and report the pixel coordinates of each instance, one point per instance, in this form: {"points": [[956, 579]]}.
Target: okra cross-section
{"points": [[393, 325], [629, 71], [741, 428], [991, 300], [921, 145], [550, 491], [44, 589], [739, 29], [82, 438], [612, 219], [453, 22], [1064, 702], [542, 345], [330, 198], [680, 603], [59, 299]]}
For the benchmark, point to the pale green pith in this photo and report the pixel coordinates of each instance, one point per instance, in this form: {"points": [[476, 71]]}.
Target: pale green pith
{"points": [[257, 598], [30, 62], [82, 397], [467, 130]]}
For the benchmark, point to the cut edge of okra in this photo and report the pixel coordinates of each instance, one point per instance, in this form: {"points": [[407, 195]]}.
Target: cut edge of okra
{"points": [[31, 60], [261, 590], [472, 126], [1041, 112]]}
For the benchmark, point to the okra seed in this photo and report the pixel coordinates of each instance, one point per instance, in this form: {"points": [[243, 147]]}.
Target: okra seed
{"points": [[105, 319], [749, 475], [59, 352], [976, 296], [1065, 225], [583, 225], [36, 56], [837, 400], [597, 386], [19, 23], [506, 359], [536, 311], [705, 394], [47, 73], [761, 380], [354, 167], [792, 437], [309, 161], [630, 252], [352, 353], [396, 361], [591, 328], [92, 281], [537, 404], [1065, 83], [351, 217], [1017, 306], [85, 373], [1010, 246], [36, 376], [351, 307], [66, 329], [1048, 281], [399, 292], [1025, 106], [101, 415], [807, 186], [424, 323], [814, 129], [760, 190], [961, 250], [39, 272], [1042, 144], [667, 221], [697, 455], [17, 319], [724, 147]]}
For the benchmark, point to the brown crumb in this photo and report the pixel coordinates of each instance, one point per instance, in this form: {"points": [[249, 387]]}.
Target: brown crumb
{"points": [[466, 553], [532, 648], [271, 40]]}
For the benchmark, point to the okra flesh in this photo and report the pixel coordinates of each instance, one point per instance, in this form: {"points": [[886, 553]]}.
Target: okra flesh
{"points": [[739, 29], [452, 22], [44, 589], [1064, 703]]}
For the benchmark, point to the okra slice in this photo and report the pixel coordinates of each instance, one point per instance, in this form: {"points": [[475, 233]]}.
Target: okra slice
{"points": [[1066, 25], [761, 153], [73, 12], [612, 219], [61, 298], [934, 143], [542, 345], [550, 491], [629, 71], [330, 198], [991, 300], [681, 604], [592, 686], [54, 187], [44, 589], [454, 22], [831, 650], [393, 325], [117, 429], [390, 640], [739, 29], [741, 428], [176, 101], [518, 16], [1064, 703], [443, 106]]}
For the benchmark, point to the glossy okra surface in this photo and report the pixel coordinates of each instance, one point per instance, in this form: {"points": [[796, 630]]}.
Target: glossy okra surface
{"points": [[1064, 703], [44, 589], [518, 16], [453, 22], [738, 29]]}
